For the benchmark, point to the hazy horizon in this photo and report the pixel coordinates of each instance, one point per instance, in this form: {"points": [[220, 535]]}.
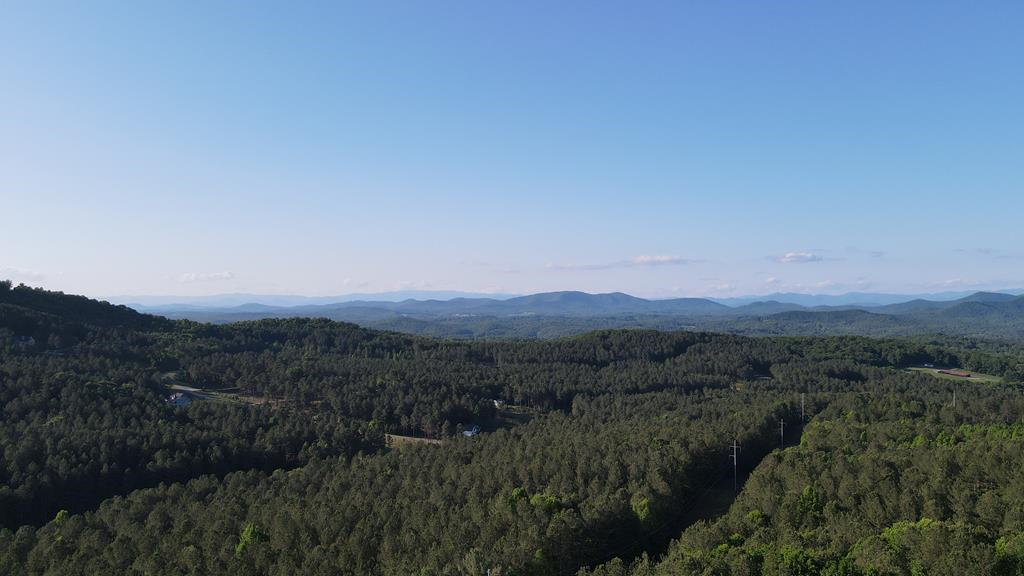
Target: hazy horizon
{"points": [[285, 300], [660, 149], [748, 240]]}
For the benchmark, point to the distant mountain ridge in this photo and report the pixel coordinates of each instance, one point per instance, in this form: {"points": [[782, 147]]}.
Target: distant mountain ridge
{"points": [[172, 303], [856, 299], [567, 303], [614, 305], [149, 302], [981, 314]]}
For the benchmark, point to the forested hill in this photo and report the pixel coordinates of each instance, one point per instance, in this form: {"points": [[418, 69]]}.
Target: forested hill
{"points": [[557, 314], [70, 308], [595, 451]]}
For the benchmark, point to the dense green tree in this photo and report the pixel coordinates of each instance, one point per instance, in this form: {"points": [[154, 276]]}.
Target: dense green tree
{"points": [[605, 448]]}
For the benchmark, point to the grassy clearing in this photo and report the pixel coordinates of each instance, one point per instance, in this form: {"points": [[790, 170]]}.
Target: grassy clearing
{"points": [[396, 441], [975, 376], [510, 416], [227, 395]]}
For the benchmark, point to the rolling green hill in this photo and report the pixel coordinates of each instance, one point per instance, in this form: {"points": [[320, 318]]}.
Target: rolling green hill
{"points": [[599, 453], [982, 315], [70, 308]]}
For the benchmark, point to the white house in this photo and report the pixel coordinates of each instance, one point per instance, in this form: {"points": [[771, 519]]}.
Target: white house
{"points": [[180, 399], [25, 341]]}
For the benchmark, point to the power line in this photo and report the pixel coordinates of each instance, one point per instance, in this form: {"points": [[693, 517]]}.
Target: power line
{"points": [[735, 465], [669, 523]]}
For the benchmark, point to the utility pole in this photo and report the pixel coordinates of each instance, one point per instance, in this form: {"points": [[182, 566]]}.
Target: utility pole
{"points": [[735, 465], [782, 434], [802, 418], [954, 397]]}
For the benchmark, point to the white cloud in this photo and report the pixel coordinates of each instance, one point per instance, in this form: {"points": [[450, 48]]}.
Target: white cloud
{"points": [[829, 286], [634, 262], [955, 283], [723, 288], [994, 253], [414, 285], [658, 261], [798, 258], [21, 275], [874, 254], [190, 277]]}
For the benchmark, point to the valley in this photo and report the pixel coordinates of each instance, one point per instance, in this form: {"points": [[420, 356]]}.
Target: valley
{"points": [[602, 453], [558, 314]]}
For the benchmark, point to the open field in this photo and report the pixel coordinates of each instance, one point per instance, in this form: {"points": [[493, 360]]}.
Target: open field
{"points": [[510, 416], [975, 376], [396, 441], [227, 395]]}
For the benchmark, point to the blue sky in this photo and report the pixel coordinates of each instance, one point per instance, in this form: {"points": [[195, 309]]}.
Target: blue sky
{"points": [[657, 148]]}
